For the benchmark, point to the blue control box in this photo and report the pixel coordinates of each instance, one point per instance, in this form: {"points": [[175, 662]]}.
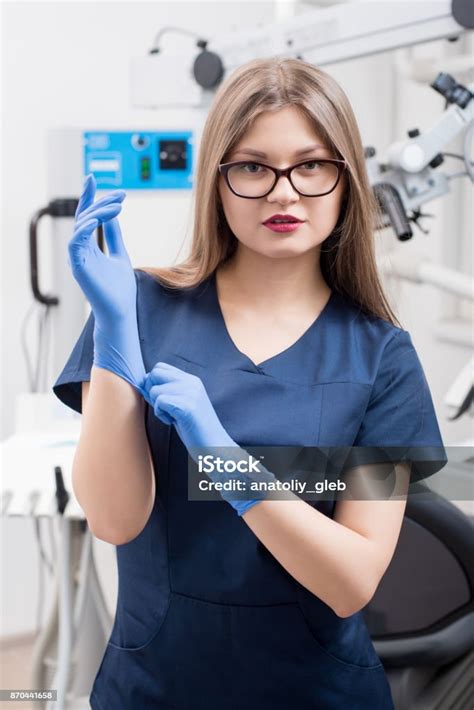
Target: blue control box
{"points": [[140, 160]]}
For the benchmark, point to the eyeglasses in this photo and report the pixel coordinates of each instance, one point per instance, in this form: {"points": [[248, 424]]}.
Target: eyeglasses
{"points": [[311, 178]]}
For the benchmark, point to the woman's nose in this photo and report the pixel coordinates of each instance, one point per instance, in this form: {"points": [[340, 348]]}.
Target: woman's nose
{"points": [[283, 191]]}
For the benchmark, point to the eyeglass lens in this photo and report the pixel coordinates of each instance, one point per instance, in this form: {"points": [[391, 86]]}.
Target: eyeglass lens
{"points": [[312, 178]]}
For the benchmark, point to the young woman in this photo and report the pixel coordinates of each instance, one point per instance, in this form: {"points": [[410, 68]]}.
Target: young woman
{"points": [[264, 335]]}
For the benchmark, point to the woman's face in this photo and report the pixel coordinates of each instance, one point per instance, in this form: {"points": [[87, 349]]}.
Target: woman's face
{"points": [[281, 135]]}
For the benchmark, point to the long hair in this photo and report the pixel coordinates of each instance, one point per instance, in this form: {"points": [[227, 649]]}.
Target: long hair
{"points": [[347, 255]]}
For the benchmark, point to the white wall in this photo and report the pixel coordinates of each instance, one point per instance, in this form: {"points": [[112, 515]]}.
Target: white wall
{"points": [[53, 53], [66, 64]]}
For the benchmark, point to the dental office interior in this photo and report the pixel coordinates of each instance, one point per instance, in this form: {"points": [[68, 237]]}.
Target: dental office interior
{"points": [[88, 87]]}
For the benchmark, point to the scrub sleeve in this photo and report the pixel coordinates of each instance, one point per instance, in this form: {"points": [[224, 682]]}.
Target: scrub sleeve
{"points": [[207, 618]]}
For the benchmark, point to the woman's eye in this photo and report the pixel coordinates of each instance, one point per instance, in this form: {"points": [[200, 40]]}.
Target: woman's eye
{"points": [[311, 163], [253, 165]]}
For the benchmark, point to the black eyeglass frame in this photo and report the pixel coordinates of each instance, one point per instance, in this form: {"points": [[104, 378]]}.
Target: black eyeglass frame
{"points": [[224, 168]]}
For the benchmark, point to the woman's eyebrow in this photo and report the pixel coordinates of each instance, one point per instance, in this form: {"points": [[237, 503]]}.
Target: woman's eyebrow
{"points": [[259, 154]]}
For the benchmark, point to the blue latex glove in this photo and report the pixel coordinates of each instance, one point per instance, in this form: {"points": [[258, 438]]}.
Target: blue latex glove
{"points": [[180, 399], [108, 283]]}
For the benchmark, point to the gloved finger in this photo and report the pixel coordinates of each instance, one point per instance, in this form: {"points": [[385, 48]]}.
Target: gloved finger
{"points": [[113, 238], [162, 413], [87, 196], [102, 214], [147, 383], [110, 199], [163, 372], [165, 418], [169, 404], [166, 388], [76, 246], [82, 236], [150, 381]]}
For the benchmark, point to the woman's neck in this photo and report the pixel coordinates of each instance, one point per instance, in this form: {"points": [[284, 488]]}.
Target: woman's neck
{"points": [[276, 284]]}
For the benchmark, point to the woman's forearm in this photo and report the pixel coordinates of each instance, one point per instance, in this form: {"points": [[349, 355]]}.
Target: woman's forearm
{"points": [[334, 562], [112, 476]]}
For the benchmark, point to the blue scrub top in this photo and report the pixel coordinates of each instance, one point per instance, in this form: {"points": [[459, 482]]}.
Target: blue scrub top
{"points": [[206, 617]]}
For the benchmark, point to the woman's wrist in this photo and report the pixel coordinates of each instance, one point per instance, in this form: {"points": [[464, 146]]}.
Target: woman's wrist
{"points": [[118, 349], [248, 496]]}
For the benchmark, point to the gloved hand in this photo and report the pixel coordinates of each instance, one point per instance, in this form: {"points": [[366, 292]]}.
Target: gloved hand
{"points": [[108, 283], [180, 399]]}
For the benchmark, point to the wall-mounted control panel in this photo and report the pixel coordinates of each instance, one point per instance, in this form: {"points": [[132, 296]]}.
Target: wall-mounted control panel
{"points": [[142, 160]]}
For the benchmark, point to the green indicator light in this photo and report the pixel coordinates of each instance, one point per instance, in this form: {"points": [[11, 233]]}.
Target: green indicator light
{"points": [[145, 168]]}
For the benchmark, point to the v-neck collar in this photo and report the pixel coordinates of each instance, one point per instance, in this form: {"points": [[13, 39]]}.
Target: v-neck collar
{"points": [[259, 367]]}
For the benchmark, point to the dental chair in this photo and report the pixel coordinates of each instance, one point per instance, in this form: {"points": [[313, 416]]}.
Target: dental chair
{"points": [[421, 619]]}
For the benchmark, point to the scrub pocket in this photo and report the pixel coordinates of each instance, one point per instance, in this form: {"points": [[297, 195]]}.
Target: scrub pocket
{"points": [[130, 678], [279, 663], [347, 640], [186, 665]]}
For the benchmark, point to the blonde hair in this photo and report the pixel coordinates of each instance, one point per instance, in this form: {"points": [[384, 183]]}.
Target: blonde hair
{"points": [[347, 257]]}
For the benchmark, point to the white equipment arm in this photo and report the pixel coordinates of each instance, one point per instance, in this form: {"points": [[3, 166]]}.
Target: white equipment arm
{"points": [[320, 36]]}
